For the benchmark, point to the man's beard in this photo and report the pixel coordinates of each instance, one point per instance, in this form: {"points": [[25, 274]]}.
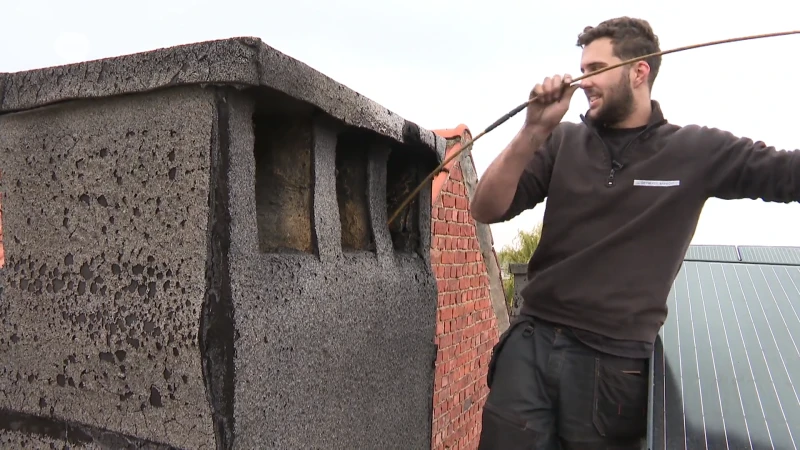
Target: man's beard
{"points": [[617, 103]]}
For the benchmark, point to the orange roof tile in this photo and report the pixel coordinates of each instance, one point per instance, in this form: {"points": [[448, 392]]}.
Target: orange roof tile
{"points": [[462, 132]]}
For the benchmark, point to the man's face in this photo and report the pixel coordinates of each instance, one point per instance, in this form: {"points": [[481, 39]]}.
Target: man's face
{"points": [[610, 94]]}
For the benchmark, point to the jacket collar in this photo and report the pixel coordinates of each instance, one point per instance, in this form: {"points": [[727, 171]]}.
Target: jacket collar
{"points": [[656, 117]]}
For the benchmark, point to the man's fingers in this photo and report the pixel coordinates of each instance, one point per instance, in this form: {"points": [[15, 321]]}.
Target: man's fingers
{"points": [[564, 86], [558, 84], [553, 89], [572, 89], [566, 97], [537, 92], [566, 89], [547, 90]]}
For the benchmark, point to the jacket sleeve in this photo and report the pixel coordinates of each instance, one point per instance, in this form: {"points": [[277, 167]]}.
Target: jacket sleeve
{"points": [[742, 168], [535, 179]]}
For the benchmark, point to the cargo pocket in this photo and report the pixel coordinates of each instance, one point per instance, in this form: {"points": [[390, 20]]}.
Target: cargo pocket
{"points": [[499, 346], [620, 399], [502, 430]]}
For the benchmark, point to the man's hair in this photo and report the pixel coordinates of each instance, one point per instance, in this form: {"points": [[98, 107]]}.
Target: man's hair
{"points": [[630, 38]]}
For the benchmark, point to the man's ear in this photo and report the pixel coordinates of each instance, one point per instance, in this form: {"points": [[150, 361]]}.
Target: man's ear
{"points": [[641, 73]]}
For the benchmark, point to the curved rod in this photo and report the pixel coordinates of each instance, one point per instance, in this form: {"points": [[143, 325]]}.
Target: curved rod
{"points": [[519, 108]]}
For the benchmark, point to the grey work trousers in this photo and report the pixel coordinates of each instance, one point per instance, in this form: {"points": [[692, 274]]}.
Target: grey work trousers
{"points": [[549, 391]]}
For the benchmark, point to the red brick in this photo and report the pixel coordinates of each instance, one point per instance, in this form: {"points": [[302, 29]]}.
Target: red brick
{"points": [[460, 258], [440, 227], [448, 258], [452, 285]]}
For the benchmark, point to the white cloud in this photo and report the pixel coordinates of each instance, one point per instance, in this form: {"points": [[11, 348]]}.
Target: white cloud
{"points": [[71, 47]]}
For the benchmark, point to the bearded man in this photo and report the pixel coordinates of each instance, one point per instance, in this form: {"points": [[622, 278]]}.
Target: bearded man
{"points": [[624, 191]]}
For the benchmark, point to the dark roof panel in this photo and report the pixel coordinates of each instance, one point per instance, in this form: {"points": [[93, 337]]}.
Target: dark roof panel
{"points": [[731, 348], [771, 255], [723, 253]]}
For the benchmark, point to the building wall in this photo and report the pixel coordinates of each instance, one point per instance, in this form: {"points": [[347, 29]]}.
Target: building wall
{"points": [[197, 255], [106, 264], [467, 325]]}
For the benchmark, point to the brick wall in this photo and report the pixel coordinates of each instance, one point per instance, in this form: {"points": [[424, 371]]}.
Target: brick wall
{"points": [[466, 323]]}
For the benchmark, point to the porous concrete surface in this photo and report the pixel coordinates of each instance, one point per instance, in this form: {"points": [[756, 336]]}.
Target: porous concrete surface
{"points": [[338, 356], [335, 350], [240, 61], [13, 440], [105, 214], [139, 302], [21, 430]]}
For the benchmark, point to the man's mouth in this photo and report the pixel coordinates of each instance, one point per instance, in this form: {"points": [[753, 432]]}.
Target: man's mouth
{"points": [[594, 100]]}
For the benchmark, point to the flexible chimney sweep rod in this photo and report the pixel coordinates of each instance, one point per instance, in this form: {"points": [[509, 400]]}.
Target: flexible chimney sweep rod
{"points": [[519, 108]]}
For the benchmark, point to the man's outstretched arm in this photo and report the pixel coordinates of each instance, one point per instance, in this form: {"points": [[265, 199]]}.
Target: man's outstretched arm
{"points": [[742, 168]]}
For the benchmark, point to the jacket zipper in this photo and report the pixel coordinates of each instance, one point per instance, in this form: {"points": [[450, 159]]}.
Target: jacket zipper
{"points": [[615, 165]]}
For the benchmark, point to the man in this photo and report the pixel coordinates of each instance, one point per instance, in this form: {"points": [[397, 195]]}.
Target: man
{"points": [[625, 189]]}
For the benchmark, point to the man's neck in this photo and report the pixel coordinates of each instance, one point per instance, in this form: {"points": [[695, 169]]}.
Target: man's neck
{"points": [[638, 118]]}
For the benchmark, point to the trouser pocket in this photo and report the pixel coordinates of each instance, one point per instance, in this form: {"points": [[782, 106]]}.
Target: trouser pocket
{"points": [[502, 430], [620, 398], [498, 347]]}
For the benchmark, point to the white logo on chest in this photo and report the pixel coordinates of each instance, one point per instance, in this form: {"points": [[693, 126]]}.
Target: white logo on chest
{"points": [[657, 183]]}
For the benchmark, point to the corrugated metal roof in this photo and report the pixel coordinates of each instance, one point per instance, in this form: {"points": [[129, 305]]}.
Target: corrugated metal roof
{"points": [[729, 375], [748, 254], [712, 253], [771, 255]]}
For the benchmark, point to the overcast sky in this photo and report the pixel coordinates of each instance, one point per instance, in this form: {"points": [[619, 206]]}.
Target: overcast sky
{"points": [[443, 62]]}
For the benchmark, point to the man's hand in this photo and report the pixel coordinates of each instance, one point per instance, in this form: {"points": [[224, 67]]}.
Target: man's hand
{"points": [[502, 193], [552, 102]]}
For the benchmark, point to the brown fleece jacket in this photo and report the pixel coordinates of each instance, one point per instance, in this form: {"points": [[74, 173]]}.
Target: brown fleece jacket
{"points": [[615, 232]]}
